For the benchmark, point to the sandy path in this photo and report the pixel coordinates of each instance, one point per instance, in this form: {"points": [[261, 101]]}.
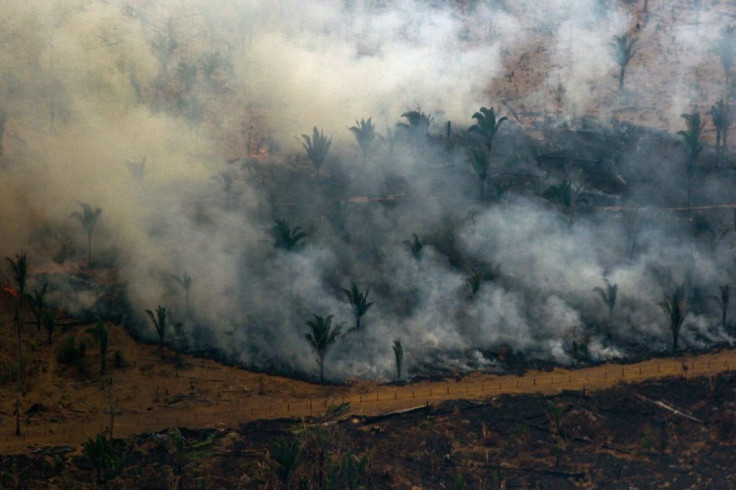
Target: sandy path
{"points": [[282, 398]]}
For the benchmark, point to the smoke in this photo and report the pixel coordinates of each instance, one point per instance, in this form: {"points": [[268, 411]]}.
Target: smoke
{"points": [[182, 122]]}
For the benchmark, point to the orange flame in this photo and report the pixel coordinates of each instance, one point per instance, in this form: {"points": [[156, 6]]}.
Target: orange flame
{"points": [[11, 291]]}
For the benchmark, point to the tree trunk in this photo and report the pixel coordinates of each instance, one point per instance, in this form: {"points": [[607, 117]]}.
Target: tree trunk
{"points": [[19, 378], [322, 369], [89, 250]]}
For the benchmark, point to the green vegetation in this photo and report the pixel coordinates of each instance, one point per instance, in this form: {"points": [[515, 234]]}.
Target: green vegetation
{"points": [[287, 238], [286, 454], [365, 133], [358, 302], [486, 126], [317, 147], [415, 246], [99, 452], [565, 196], [321, 337], [674, 308]]}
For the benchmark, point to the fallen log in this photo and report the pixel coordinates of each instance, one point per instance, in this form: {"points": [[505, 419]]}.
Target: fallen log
{"points": [[670, 408]]}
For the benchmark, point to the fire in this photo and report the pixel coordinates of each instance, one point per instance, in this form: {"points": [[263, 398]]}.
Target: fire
{"points": [[12, 292]]}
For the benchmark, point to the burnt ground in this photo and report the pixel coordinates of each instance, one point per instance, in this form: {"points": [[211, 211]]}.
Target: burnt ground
{"points": [[615, 438]]}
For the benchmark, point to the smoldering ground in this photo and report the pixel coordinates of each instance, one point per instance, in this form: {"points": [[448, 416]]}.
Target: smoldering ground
{"points": [[183, 123]]}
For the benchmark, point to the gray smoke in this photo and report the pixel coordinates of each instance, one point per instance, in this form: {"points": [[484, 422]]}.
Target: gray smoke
{"points": [[215, 95]]}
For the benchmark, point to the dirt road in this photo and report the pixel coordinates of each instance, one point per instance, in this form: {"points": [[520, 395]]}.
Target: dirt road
{"points": [[209, 395]]}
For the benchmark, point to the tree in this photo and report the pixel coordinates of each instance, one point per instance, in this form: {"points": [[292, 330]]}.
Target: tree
{"points": [[358, 302], [285, 237], [674, 307], [19, 268], [88, 219], [102, 338], [159, 323], [417, 123], [37, 302], [317, 147], [364, 132], [99, 453], [474, 280], [399, 358], [486, 126], [48, 318], [565, 196], [722, 118], [287, 455], [723, 301], [624, 49], [415, 246], [693, 146], [321, 338], [481, 163], [724, 47], [608, 296], [185, 281]]}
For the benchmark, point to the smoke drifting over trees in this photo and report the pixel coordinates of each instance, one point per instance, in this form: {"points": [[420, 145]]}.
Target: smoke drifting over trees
{"points": [[183, 122]]}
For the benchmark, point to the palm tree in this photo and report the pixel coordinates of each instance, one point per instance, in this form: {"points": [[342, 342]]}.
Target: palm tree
{"points": [[19, 268], [185, 281], [624, 49], [486, 126], [321, 338], [724, 47], [99, 453], [415, 246], [88, 219], [693, 146], [287, 456], [358, 302], [48, 317], [37, 302], [722, 118], [399, 358], [674, 307], [474, 280], [317, 147], [418, 122], [285, 237], [608, 296], [481, 163], [159, 323], [102, 338], [364, 132], [723, 301], [565, 196]]}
